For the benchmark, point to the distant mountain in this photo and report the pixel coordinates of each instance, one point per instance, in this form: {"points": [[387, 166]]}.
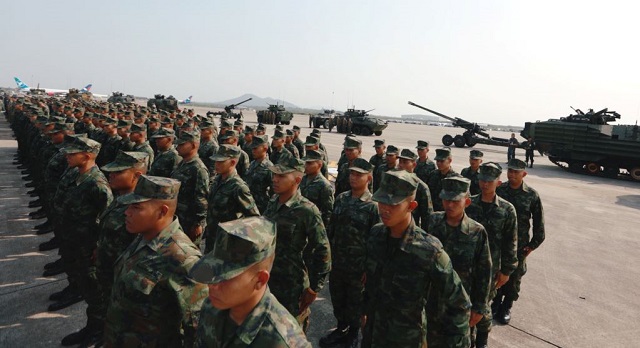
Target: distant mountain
{"points": [[257, 102]]}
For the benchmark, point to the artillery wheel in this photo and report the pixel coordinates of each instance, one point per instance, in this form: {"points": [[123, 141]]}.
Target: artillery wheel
{"points": [[287, 122], [593, 168], [471, 142], [611, 172], [459, 141], [447, 140], [326, 124], [635, 173], [356, 130], [365, 131], [378, 133]]}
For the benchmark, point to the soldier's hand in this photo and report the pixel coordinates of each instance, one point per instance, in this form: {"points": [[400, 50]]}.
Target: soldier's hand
{"points": [[307, 298], [501, 279], [94, 256], [526, 251], [475, 318], [363, 280], [363, 321], [195, 232]]}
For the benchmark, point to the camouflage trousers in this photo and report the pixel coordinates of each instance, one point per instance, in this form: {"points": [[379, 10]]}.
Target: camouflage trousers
{"points": [[82, 276], [347, 291], [511, 289]]}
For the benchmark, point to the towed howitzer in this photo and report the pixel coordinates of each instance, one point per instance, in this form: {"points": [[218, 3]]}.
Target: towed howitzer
{"points": [[228, 108]]}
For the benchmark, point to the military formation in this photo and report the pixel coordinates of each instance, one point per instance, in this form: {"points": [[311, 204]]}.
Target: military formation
{"points": [[177, 232]]}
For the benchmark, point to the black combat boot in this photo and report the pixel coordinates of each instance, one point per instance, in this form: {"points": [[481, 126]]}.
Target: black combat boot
{"points": [[351, 341], [495, 305], [57, 296], [45, 224], [481, 339], [72, 297], [35, 204], [44, 230], [53, 271], [335, 337], [504, 316], [53, 243]]}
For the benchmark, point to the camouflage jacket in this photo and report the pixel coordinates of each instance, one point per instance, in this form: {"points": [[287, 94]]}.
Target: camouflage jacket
{"points": [[125, 145], [377, 160], [113, 237], [153, 301], [377, 175], [320, 192], [293, 149], [243, 163], [299, 144], [165, 163], [435, 185], [53, 172], [500, 221], [83, 128], [353, 218], [205, 151], [258, 178], [425, 205], [108, 150], [229, 199], [472, 175], [402, 274], [194, 188], [468, 247], [528, 206], [277, 156], [146, 148], [267, 325], [299, 226], [246, 147], [342, 180], [424, 169]]}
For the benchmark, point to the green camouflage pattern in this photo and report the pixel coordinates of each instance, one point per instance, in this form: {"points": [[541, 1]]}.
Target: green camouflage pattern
{"points": [[165, 163], [472, 175], [126, 160], [425, 206], [377, 160], [395, 187], [192, 200], [424, 169], [152, 187], [146, 148], [293, 149], [455, 188], [320, 192], [109, 149], [435, 186], [206, 150], [378, 172], [281, 156], [258, 179]]}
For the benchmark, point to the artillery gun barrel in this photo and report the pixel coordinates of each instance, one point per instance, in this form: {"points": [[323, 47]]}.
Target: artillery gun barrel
{"points": [[434, 112]]}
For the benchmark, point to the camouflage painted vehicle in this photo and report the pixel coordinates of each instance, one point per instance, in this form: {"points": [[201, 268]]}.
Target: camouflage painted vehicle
{"points": [[74, 93], [359, 122], [275, 114], [119, 97], [587, 143], [161, 103], [322, 119], [228, 111]]}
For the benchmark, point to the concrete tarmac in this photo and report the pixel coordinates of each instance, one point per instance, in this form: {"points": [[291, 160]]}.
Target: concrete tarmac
{"points": [[581, 288]]}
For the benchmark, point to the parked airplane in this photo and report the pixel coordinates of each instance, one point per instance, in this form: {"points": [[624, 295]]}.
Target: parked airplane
{"points": [[49, 91], [186, 101]]}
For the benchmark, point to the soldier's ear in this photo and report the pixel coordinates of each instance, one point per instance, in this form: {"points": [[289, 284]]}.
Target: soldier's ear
{"points": [[413, 205], [499, 182], [263, 277]]}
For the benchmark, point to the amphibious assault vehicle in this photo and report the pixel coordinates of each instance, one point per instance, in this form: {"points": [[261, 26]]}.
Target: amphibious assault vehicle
{"points": [[275, 114], [358, 122], [119, 97], [587, 143]]}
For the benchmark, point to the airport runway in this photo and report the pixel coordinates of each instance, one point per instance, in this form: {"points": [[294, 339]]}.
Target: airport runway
{"points": [[581, 288]]}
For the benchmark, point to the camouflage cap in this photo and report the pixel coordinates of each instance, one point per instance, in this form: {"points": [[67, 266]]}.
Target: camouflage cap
{"points": [[422, 144], [443, 153], [54, 119], [455, 188], [77, 144], [351, 143], [125, 160], [163, 133], [138, 128], [238, 123], [277, 134], [231, 133], [61, 127], [110, 121], [516, 164], [280, 128], [291, 164], [206, 124], [311, 141], [42, 118], [186, 136], [167, 120], [180, 116], [124, 123], [88, 114], [315, 131], [152, 187], [226, 124], [378, 143], [248, 130], [226, 152], [489, 171], [408, 154], [475, 154], [239, 245], [313, 155], [361, 165], [289, 133], [315, 135], [296, 128], [261, 127], [395, 187], [259, 140], [392, 150]]}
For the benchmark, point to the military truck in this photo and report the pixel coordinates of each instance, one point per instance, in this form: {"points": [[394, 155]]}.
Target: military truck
{"points": [[161, 103], [119, 97], [586, 143], [275, 114], [359, 122], [322, 119]]}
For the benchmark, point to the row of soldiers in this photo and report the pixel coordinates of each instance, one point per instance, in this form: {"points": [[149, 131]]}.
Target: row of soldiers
{"points": [[380, 273]]}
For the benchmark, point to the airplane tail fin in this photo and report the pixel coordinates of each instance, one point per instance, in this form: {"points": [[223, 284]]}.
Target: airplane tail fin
{"points": [[87, 88], [20, 84], [188, 100]]}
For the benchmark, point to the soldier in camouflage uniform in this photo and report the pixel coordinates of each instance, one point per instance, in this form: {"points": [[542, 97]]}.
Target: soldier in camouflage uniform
{"points": [[238, 126], [316, 187], [85, 126], [425, 165], [391, 161], [406, 268], [139, 138], [471, 172], [229, 196], [194, 188], [208, 144], [299, 224], [231, 138], [237, 272], [124, 131], [110, 143], [168, 158], [444, 170], [80, 201], [407, 161], [153, 301], [352, 150], [354, 215], [299, 144], [288, 144], [466, 243], [528, 208], [313, 143], [278, 151], [499, 219], [258, 176], [248, 135], [380, 147]]}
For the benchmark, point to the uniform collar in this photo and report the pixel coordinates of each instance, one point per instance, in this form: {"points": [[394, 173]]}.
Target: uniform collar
{"points": [[250, 327], [164, 235]]}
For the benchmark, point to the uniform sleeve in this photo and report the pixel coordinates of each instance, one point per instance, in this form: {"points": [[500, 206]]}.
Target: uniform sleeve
{"points": [[327, 200], [538, 224], [190, 297], [200, 203], [319, 243], [427, 209], [509, 247], [481, 276], [246, 202]]}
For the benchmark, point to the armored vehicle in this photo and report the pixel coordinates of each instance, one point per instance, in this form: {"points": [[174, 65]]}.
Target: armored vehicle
{"points": [[275, 114], [161, 103], [228, 111], [119, 97], [74, 93], [359, 122], [587, 143], [322, 119]]}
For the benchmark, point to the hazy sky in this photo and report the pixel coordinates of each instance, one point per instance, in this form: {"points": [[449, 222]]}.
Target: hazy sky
{"points": [[486, 61]]}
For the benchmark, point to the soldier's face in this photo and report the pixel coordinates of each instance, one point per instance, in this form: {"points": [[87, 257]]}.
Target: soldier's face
{"points": [[123, 132], [284, 183], [206, 133], [164, 143], [312, 167], [259, 151], [422, 153], [359, 181], [141, 217], [76, 159], [394, 215], [224, 167], [391, 160], [443, 165], [185, 148], [516, 177], [352, 154], [380, 150], [489, 187], [233, 292], [407, 164], [475, 163], [136, 137], [123, 180], [57, 138], [277, 142], [455, 209]]}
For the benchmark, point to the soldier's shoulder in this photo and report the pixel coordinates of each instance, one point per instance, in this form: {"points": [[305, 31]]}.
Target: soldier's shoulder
{"points": [[181, 248], [282, 327], [505, 204], [424, 246]]}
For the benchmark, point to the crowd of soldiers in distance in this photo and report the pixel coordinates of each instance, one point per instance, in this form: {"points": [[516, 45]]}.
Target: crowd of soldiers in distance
{"points": [[180, 233]]}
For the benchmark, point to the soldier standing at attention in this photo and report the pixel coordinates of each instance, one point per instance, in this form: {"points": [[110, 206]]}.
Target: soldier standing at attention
{"points": [[499, 219], [231, 138], [110, 143], [528, 208], [278, 151], [139, 138], [391, 161], [299, 144], [406, 268], [511, 150], [248, 138], [352, 150], [316, 187], [288, 143], [378, 158], [425, 165], [528, 151], [194, 187], [238, 125], [466, 243], [299, 224], [354, 215], [471, 172], [208, 145], [153, 302], [240, 310], [444, 170], [313, 143], [258, 176], [123, 130], [168, 159], [229, 196], [423, 196]]}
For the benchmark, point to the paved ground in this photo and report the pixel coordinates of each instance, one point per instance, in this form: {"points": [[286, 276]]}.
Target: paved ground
{"points": [[581, 289]]}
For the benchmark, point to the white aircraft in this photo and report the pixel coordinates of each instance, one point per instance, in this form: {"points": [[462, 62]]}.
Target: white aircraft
{"points": [[186, 101], [50, 91]]}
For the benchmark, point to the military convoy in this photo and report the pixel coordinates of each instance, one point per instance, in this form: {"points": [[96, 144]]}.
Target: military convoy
{"points": [[228, 111], [159, 102], [275, 114], [119, 97], [358, 122]]}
